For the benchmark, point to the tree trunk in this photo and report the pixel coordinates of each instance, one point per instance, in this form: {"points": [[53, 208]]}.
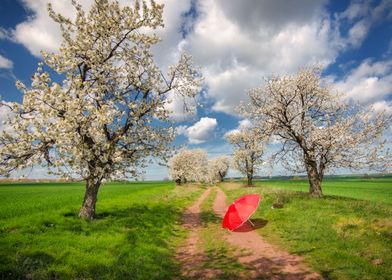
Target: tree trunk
{"points": [[250, 180], [314, 180], [87, 211], [221, 176]]}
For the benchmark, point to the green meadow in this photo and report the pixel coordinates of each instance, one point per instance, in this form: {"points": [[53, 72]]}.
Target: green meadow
{"points": [[377, 189], [134, 236], [345, 235]]}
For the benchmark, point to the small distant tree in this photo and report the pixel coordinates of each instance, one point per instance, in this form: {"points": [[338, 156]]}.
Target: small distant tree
{"points": [[108, 116], [249, 148], [317, 130], [218, 168], [189, 165]]}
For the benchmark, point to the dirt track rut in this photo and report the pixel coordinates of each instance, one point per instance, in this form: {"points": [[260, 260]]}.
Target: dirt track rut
{"points": [[263, 260]]}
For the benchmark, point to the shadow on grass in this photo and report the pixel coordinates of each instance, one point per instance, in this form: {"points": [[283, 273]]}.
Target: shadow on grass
{"points": [[130, 243], [222, 260], [247, 226]]}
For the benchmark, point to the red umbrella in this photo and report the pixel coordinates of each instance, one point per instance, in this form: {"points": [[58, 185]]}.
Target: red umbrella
{"points": [[240, 211]]}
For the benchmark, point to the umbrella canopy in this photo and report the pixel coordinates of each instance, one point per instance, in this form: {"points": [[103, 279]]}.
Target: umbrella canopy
{"points": [[240, 211]]}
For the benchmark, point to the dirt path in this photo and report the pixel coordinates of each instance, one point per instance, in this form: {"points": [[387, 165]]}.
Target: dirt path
{"points": [[264, 260], [190, 254]]}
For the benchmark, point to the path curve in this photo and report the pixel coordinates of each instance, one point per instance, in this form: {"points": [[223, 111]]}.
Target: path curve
{"points": [[263, 259], [191, 254]]}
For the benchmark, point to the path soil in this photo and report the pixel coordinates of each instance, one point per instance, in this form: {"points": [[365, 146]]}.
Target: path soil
{"points": [[264, 260], [190, 254]]}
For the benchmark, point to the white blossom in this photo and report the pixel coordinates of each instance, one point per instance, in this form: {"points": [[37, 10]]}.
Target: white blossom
{"points": [[317, 130], [249, 147], [218, 168], [107, 116], [189, 165]]}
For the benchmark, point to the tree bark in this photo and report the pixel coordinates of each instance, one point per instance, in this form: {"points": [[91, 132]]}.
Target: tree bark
{"points": [[221, 176], [250, 180], [87, 211], [314, 180]]}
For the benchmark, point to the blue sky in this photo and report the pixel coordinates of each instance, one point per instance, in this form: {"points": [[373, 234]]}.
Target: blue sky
{"points": [[236, 44]]}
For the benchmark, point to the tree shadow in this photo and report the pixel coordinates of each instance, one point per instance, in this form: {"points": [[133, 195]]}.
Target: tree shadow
{"points": [[247, 226], [140, 245], [280, 268]]}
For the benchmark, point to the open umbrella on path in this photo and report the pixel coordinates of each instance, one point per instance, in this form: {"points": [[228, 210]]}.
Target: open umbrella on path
{"points": [[240, 211]]}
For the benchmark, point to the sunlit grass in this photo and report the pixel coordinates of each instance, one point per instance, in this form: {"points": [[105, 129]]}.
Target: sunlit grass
{"points": [[340, 237], [375, 189], [134, 235], [138, 228]]}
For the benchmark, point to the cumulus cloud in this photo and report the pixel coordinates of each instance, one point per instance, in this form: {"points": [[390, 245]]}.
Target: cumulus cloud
{"points": [[200, 132], [5, 63], [250, 42], [370, 82], [242, 125], [40, 32], [237, 43], [180, 108], [5, 114], [382, 106]]}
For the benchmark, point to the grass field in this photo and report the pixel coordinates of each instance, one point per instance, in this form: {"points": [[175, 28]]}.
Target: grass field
{"points": [[345, 235], [133, 237], [374, 189]]}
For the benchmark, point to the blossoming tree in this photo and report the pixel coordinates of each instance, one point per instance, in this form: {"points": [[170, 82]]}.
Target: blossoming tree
{"points": [[108, 116], [249, 148], [317, 130], [189, 165], [218, 168]]}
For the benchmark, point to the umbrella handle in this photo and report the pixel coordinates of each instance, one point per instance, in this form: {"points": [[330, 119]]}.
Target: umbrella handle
{"points": [[251, 223]]}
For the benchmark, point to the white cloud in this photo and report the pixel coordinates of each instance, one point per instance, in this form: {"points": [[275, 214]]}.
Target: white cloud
{"points": [[5, 63], [5, 113], [382, 106], [370, 82], [200, 132], [257, 39], [242, 124], [225, 29], [361, 16], [40, 32], [4, 34], [180, 109], [237, 43], [358, 32], [249, 40]]}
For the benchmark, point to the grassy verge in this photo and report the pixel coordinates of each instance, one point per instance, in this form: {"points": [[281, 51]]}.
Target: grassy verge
{"points": [[340, 237], [133, 237], [220, 255]]}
